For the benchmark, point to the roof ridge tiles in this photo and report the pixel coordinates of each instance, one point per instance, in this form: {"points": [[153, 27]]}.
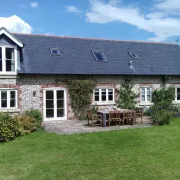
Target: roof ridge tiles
{"points": [[98, 39]]}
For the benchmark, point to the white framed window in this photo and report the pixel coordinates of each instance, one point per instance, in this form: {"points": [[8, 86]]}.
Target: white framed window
{"points": [[8, 60], [103, 95], [8, 99], [145, 94], [177, 93]]}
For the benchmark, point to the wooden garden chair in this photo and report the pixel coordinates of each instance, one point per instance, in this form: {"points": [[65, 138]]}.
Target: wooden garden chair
{"points": [[139, 114], [114, 116], [129, 117], [95, 119]]}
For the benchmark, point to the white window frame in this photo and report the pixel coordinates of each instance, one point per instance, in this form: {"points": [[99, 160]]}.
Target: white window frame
{"points": [[176, 93], [146, 101], [4, 72], [8, 99], [100, 102], [55, 89]]}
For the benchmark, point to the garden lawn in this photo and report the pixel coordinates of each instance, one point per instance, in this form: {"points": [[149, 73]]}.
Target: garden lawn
{"points": [[148, 153]]}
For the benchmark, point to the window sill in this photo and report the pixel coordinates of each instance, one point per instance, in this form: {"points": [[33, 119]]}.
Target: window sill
{"points": [[8, 76], [176, 102], [103, 103], [8, 73], [146, 103], [10, 110]]}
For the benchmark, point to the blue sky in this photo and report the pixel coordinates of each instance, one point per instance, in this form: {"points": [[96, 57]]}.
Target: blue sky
{"points": [[153, 20]]}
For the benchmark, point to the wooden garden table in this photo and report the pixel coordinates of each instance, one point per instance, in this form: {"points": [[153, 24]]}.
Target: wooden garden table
{"points": [[105, 113]]}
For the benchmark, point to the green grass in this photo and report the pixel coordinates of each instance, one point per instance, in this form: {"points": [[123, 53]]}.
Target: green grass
{"points": [[148, 153]]}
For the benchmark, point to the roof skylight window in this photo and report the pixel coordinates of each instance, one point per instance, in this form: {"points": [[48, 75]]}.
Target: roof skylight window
{"points": [[133, 55], [55, 51], [99, 56]]}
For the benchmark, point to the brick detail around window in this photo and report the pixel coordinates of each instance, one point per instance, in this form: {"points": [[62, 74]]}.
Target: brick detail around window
{"points": [[113, 86], [16, 87], [139, 90]]}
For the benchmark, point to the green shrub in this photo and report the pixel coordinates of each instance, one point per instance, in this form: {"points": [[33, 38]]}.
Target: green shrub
{"points": [[162, 117], [127, 97], [12, 127], [163, 97], [28, 123], [163, 109], [36, 114], [147, 112], [80, 92], [9, 128]]}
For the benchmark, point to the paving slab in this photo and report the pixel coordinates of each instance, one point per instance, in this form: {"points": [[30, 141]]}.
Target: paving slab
{"points": [[77, 126]]}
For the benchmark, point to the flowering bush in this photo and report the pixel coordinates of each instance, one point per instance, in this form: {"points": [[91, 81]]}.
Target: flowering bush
{"points": [[162, 110], [28, 123], [9, 128], [162, 117], [19, 125]]}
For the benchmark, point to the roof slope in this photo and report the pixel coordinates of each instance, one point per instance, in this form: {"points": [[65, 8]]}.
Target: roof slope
{"points": [[76, 56]]}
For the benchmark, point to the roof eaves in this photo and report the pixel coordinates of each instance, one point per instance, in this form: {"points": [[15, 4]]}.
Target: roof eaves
{"points": [[3, 30], [95, 39]]}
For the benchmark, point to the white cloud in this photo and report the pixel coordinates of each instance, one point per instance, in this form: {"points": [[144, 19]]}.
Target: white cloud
{"points": [[34, 4], [168, 4], [15, 24], [158, 21], [72, 9], [50, 33]]}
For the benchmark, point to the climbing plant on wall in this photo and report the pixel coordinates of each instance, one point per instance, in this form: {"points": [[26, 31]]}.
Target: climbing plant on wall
{"points": [[80, 92], [126, 95]]}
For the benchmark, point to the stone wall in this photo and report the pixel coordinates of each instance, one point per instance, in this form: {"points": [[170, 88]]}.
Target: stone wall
{"points": [[29, 85]]}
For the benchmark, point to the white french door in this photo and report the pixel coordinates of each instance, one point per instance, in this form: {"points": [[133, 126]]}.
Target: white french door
{"points": [[55, 104]]}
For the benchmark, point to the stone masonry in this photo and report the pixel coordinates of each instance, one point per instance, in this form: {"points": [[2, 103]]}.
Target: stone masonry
{"points": [[27, 85]]}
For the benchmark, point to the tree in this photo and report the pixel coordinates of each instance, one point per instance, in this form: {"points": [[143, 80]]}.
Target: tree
{"points": [[126, 95]]}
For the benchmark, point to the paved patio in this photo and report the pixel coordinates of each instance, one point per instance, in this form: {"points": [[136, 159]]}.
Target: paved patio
{"points": [[76, 127]]}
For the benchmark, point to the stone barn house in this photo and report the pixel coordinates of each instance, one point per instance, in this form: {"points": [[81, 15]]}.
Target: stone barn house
{"points": [[32, 69]]}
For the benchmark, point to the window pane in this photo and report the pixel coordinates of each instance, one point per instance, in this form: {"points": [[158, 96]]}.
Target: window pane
{"points": [[110, 94], [103, 91], [142, 98], [3, 94], [10, 65], [60, 94], [4, 103], [143, 91], [50, 104], [148, 98], [0, 64], [178, 93], [12, 94], [49, 113], [60, 112], [148, 91], [0, 59], [4, 99], [60, 103], [13, 103], [10, 53], [178, 97], [12, 99], [96, 95], [99, 56], [54, 51], [49, 94], [178, 90], [0, 52]]}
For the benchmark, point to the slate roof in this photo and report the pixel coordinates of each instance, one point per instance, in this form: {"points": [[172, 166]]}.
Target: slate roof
{"points": [[76, 56]]}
